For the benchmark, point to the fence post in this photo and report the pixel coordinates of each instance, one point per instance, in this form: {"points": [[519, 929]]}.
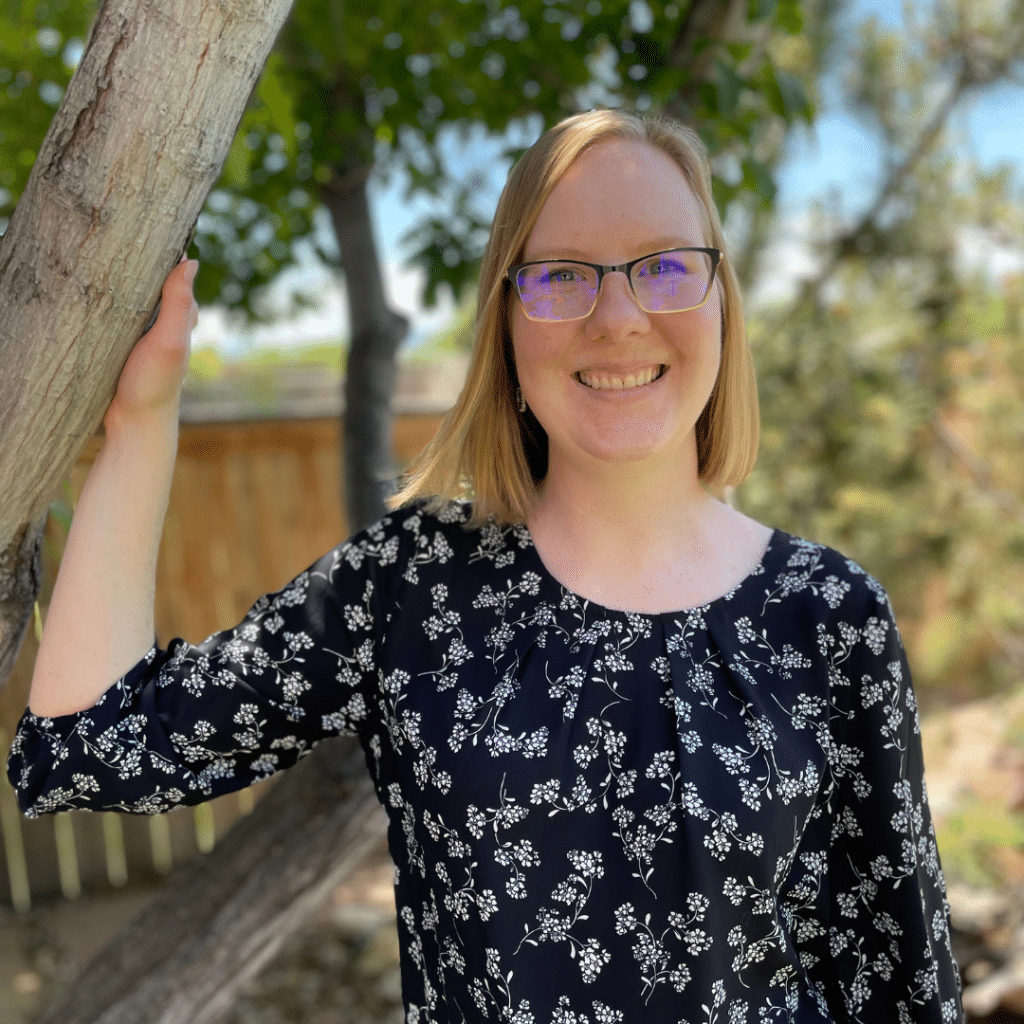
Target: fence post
{"points": [[14, 845]]}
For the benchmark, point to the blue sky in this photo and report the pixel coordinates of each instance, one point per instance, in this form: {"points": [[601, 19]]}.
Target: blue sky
{"points": [[837, 154]]}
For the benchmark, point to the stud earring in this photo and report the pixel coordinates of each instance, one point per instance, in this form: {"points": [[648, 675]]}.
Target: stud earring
{"points": [[520, 400]]}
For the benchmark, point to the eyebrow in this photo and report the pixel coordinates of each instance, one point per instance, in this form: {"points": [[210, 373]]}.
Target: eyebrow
{"points": [[566, 252]]}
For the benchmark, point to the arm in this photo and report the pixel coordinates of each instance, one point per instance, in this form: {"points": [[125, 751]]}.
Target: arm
{"points": [[193, 722], [100, 619], [116, 723], [888, 928]]}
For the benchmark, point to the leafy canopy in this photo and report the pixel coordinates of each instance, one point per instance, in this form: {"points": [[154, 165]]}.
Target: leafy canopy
{"points": [[342, 91]]}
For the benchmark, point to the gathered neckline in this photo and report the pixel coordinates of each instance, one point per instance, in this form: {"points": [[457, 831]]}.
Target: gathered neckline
{"points": [[552, 580]]}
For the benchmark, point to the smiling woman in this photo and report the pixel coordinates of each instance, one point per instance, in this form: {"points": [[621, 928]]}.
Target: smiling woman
{"points": [[486, 439], [644, 759]]}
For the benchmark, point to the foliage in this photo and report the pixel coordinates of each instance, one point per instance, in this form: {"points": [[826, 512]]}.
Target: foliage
{"points": [[892, 386], [456, 337], [40, 44], [396, 88], [208, 364], [342, 91], [970, 837]]}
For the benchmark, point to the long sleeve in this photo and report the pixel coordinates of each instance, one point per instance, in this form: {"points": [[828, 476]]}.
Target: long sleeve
{"points": [[889, 951], [195, 721]]}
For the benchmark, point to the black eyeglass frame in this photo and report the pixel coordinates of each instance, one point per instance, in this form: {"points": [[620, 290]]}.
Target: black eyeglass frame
{"points": [[626, 268]]}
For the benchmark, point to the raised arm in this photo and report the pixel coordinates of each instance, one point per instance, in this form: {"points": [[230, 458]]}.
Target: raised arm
{"points": [[117, 723], [100, 619]]}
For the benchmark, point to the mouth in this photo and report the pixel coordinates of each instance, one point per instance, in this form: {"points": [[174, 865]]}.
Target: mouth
{"points": [[630, 383]]}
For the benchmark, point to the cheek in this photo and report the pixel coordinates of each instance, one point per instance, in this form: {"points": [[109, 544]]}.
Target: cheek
{"points": [[533, 344], [711, 322]]}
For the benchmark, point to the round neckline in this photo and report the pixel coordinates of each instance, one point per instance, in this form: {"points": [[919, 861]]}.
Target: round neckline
{"points": [[553, 581]]}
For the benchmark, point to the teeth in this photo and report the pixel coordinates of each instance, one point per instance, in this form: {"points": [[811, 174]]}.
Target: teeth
{"points": [[602, 383]]}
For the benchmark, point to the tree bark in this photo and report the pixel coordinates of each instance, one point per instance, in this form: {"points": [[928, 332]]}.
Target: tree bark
{"points": [[140, 138], [377, 331], [218, 920]]}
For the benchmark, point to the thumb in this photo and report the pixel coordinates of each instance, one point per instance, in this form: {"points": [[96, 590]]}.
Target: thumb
{"points": [[177, 287], [177, 313]]}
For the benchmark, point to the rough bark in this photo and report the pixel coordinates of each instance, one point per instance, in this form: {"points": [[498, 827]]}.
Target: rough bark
{"points": [[218, 920], [140, 138], [377, 331]]}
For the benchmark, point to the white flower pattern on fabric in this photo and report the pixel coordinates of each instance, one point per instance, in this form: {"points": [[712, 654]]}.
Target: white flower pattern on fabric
{"points": [[711, 816]]}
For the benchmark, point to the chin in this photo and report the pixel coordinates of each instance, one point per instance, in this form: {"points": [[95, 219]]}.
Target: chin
{"points": [[623, 453]]}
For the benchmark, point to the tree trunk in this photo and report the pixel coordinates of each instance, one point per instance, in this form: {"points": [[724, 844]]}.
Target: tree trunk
{"points": [[140, 138], [218, 920], [376, 331], [700, 34]]}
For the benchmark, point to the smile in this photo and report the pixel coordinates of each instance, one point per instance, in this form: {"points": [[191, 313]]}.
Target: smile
{"points": [[603, 382]]}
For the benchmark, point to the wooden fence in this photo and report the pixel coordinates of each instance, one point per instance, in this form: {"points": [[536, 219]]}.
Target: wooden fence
{"points": [[252, 504]]}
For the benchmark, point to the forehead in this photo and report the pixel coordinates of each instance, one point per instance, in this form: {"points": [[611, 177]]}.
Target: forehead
{"points": [[615, 198]]}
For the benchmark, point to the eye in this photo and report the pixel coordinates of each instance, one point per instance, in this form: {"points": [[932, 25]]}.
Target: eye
{"points": [[564, 274], [666, 263]]}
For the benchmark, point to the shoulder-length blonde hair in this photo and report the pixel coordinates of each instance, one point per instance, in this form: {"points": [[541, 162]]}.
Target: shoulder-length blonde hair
{"points": [[490, 452]]}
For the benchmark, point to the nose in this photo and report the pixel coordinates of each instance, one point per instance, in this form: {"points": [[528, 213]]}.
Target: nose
{"points": [[617, 306]]}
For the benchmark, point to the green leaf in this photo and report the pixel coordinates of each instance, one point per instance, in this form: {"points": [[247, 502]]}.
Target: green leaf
{"points": [[278, 101], [761, 10], [728, 86], [723, 193], [795, 99], [790, 16], [236, 167], [758, 179]]}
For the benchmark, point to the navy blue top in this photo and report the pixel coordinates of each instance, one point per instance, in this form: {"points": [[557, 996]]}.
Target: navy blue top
{"points": [[709, 816]]}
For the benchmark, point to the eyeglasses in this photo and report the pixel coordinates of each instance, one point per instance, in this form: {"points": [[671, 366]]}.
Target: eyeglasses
{"points": [[672, 281]]}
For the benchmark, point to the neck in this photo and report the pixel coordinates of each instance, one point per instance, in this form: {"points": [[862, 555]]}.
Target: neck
{"points": [[630, 514]]}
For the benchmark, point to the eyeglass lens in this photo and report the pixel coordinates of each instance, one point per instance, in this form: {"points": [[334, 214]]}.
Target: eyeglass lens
{"points": [[666, 282]]}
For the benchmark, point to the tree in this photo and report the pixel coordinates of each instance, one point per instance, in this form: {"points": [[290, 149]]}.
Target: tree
{"points": [[116, 174], [897, 339]]}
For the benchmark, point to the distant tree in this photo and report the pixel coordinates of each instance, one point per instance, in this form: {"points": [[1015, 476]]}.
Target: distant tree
{"points": [[892, 384]]}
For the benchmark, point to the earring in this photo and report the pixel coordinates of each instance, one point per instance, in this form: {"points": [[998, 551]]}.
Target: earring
{"points": [[520, 400]]}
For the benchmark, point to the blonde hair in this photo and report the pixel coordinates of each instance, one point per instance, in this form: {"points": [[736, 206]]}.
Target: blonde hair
{"points": [[490, 452]]}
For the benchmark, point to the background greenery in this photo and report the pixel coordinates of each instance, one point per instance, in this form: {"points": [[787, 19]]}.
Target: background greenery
{"points": [[891, 382]]}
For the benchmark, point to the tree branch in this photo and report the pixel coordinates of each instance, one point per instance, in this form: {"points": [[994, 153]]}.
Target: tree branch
{"points": [[978, 469]]}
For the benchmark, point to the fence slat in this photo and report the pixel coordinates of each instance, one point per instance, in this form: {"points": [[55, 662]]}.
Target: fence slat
{"points": [[246, 800], [113, 847], [14, 843], [160, 843], [206, 831], [67, 855]]}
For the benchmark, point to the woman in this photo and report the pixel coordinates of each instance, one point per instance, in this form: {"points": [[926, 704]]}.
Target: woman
{"points": [[645, 759]]}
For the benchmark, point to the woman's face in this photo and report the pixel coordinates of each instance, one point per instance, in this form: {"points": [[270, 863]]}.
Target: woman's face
{"points": [[618, 201]]}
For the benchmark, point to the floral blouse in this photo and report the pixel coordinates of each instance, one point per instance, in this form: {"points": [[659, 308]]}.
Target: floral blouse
{"points": [[709, 816]]}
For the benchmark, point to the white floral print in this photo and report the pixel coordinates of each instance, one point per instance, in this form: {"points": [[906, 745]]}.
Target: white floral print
{"points": [[710, 816]]}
